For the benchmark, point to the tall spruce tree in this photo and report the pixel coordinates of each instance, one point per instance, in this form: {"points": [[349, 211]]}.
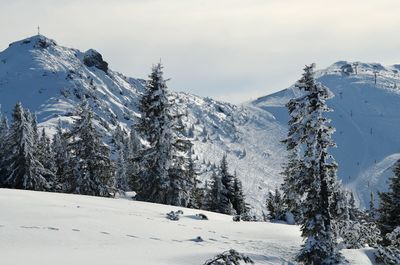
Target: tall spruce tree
{"points": [[23, 169], [89, 162], [239, 199], [227, 179], [164, 176], [218, 200], [389, 206], [155, 127], [318, 175]]}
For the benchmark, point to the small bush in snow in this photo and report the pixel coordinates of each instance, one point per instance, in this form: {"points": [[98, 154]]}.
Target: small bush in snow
{"points": [[236, 218], [231, 257], [202, 216], [174, 216], [198, 239]]}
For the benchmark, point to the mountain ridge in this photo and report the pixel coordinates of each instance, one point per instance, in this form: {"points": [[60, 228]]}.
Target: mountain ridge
{"points": [[52, 80]]}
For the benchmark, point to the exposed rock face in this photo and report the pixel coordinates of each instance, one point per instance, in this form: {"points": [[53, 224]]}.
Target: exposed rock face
{"points": [[94, 58]]}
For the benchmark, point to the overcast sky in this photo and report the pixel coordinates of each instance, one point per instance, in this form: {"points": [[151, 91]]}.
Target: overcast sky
{"points": [[226, 49]]}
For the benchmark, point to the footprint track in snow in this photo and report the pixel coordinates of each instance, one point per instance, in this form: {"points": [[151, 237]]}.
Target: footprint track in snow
{"points": [[30, 227], [52, 228]]}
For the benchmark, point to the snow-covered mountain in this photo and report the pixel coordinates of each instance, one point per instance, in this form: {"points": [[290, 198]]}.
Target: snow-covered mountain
{"points": [[367, 120], [52, 80]]}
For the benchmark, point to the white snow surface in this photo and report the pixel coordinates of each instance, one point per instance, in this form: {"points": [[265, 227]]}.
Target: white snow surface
{"points": [[52, 228]]}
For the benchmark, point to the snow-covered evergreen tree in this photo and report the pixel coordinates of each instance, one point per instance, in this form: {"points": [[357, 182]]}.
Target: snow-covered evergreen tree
{"points": [[155, 127], [217, 197], [239, 199], [23, 169], [44, 151], [197, 198], [92, 169], [389, 206], [354, 227], [359, 234], [228, 180], [231, 257], [276, 206], [318, 175], [164, 176]]}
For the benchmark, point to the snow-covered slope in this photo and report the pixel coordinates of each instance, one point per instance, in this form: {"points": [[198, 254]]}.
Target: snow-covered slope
{"points": [[52, 80], [50, 228], [367, 121]]}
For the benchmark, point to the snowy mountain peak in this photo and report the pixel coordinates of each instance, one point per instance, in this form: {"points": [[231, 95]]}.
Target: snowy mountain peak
{"points": [[36, 42]]}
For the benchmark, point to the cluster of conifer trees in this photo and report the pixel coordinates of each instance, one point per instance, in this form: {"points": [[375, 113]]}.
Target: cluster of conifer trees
{"points": [[154, 158], [74, 161]]}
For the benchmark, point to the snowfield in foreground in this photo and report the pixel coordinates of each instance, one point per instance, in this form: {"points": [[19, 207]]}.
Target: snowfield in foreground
{"points": [[50, 228]]}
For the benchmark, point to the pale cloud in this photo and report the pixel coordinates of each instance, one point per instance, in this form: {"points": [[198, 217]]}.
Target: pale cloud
{"points": [[228, 49]]}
